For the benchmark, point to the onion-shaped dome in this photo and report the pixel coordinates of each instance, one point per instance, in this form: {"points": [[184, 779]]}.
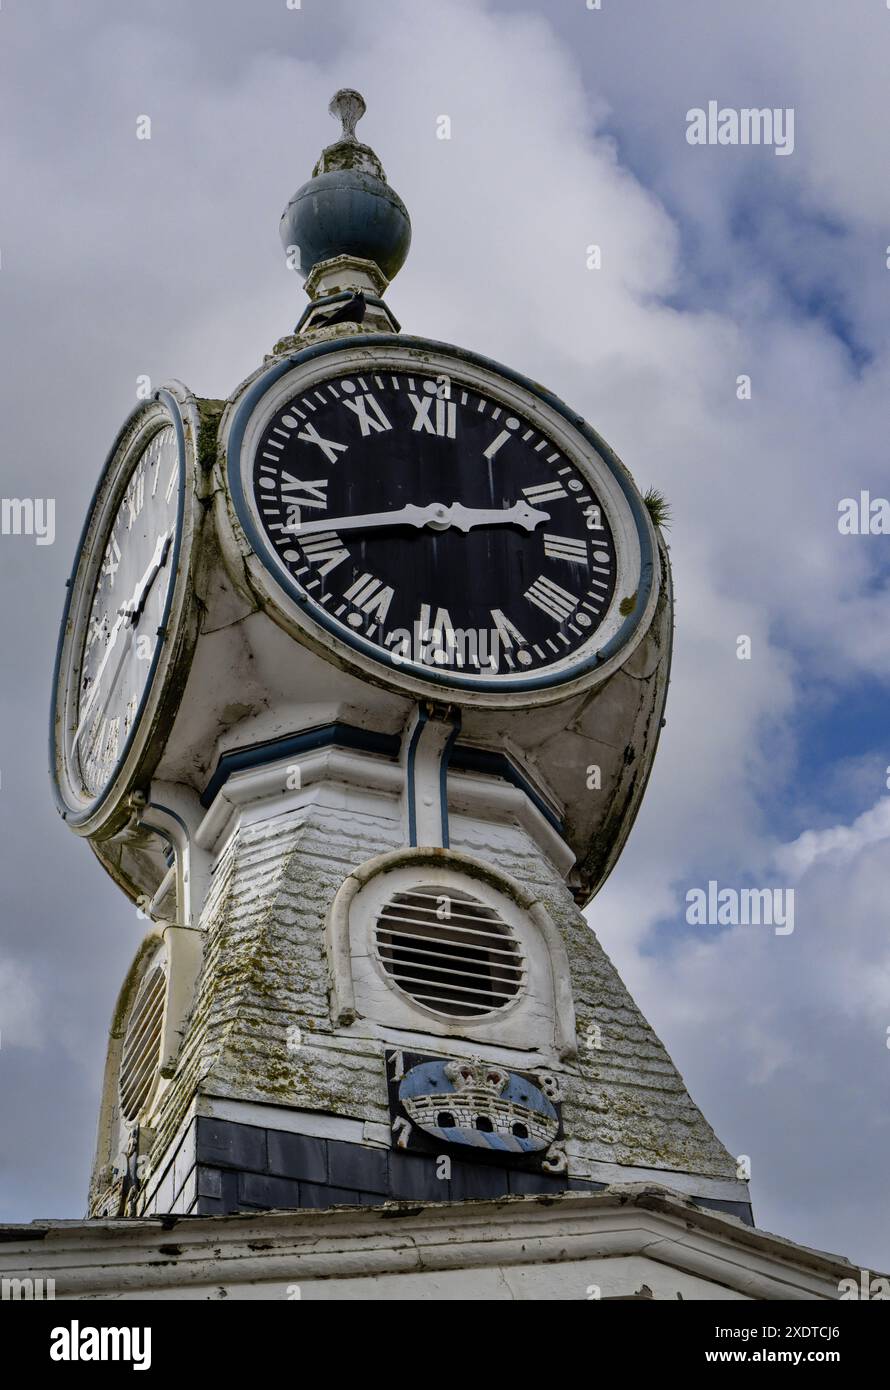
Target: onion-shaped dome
{"points": [[347, 208]]}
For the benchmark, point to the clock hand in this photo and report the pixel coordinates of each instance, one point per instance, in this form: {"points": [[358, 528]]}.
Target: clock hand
{"points": [[109, 688], [435, 515], [369, 521], [97, 679], [133, 609], [129, 612], [465, 518], [125, 651]]}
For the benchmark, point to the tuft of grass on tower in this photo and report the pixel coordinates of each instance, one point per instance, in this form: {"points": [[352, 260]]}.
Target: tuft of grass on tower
{"points": [[658, 507]]}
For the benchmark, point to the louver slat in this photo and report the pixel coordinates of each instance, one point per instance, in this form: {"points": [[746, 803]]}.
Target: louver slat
{"points": [[454, 969], [140, 1054]]}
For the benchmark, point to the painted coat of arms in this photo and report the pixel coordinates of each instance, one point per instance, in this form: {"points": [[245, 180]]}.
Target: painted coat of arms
{"points": [[507, 1115]]}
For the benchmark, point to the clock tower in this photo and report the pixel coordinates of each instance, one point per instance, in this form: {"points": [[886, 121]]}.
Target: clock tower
{"points": [[360, 683], [359, 686]]}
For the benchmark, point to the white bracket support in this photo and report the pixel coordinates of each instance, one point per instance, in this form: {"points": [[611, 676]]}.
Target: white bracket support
{"points": [[426, 749], [171, 813]]}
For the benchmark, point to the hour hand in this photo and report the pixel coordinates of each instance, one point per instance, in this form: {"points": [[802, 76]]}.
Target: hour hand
{"points": [[132, 609]]}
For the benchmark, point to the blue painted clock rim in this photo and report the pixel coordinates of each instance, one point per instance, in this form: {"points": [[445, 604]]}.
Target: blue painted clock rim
{"points": [[267, 379], [78, 816]]}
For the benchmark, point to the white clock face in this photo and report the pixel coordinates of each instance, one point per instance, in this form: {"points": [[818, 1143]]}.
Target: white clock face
{"points": [[127, 610]]}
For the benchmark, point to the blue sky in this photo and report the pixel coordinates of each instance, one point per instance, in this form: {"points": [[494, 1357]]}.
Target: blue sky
{"points": [[568, 128]]}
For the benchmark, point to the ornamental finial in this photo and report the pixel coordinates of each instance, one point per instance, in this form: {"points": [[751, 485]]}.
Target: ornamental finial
{"points": [[347, 106], [346, 209]]}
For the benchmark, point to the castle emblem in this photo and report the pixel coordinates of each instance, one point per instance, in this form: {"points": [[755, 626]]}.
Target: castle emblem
{"points": [[469, 1102]]}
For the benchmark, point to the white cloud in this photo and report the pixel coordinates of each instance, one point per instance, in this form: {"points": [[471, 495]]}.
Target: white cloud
{"points": [[841, 845]]}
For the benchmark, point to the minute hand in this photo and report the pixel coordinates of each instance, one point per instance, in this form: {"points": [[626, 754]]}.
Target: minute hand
{"points": [[128, 613], [436, 515]]}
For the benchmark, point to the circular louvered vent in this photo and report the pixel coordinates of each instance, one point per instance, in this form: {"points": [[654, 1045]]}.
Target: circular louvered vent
{"points": [[142, 1044], [449, 952]]}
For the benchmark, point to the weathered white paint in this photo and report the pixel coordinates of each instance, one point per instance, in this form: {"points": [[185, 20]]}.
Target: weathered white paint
{"points": [[541, 1019], [632, 1241]]}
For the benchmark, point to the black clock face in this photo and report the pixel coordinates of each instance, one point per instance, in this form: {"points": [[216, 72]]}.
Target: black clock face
{"points": [[434, 522]]}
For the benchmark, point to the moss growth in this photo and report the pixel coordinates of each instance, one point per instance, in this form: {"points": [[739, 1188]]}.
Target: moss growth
{"points": [[209, 415]]}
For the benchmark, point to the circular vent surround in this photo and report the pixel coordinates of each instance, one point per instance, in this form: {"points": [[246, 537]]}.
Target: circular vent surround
{"points": [[449, 952], [140, 1055]]}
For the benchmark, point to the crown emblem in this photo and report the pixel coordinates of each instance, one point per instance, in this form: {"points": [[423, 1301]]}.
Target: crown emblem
{"points": [[474, 1075]]}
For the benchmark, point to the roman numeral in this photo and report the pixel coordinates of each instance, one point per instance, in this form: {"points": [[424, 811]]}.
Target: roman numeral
{"points": [[370, 595], [89, 759], [496, 444], [438, 636], [325, 550], [110, 742], [552, 599], [314, 493], [297, 495], [369, 414], [510, 635], [544, 492], [135, 498], [564, 548], [104, 745], [446, 415], [111, 563], [329, 447]]}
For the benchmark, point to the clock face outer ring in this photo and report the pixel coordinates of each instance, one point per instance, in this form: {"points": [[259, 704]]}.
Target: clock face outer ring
{"points": [[105, 813], [249, 550]]}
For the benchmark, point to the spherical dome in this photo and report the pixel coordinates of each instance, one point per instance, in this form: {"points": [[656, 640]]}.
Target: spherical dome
{"points": [[347, 212]]}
